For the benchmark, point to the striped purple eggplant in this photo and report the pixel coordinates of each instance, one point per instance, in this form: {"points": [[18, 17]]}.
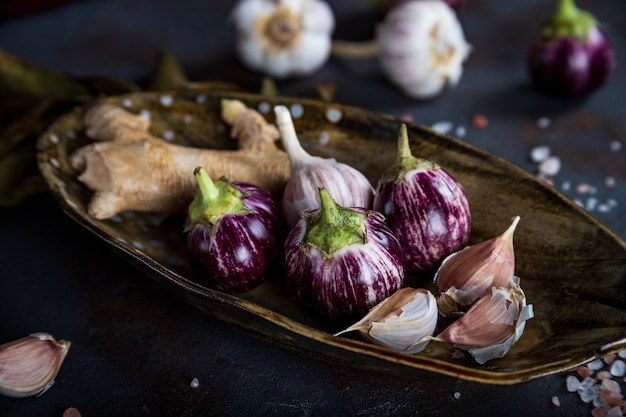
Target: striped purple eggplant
{"points": [[232, 231], [424, 206], [573, 55], [342, 261]]}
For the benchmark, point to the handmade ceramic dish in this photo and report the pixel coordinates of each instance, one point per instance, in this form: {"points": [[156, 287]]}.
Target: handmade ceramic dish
{"points": [[572, 268]]}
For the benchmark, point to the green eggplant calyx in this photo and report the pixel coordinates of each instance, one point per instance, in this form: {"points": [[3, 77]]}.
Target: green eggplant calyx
{"points": [[214, 200], [334, 227], [568, 21]]}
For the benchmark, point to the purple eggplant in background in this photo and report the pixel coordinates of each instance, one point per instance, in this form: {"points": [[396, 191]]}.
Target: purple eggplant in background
{"points": [[342, 261], [231, 234], [424, 206], [573, 55]]}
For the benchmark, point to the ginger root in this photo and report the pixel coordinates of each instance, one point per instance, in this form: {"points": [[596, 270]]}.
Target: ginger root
{"points": [[129, 169]]}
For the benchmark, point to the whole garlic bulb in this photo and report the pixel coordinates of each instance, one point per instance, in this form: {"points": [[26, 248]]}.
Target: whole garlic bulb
{"points": [[422, 47], [283, 38]]}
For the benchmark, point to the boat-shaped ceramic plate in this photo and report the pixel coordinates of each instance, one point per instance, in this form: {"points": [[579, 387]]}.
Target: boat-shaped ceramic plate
{"points": [[572, 268]]}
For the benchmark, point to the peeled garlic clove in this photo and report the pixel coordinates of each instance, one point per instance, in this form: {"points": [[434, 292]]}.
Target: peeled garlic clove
{"points": [[492, 325], [470, 273], [29, 365], [402, 322]]}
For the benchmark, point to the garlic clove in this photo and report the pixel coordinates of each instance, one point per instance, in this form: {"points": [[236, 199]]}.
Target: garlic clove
{"points": [[492, 325], [402, 322], [29, 365], [470, 273]]}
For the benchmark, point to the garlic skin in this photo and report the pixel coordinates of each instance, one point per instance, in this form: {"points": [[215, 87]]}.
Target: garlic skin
{"points": [[29, 365], [470, 273], [492, 325], [348, 186], [283, 38], [422, 47], [402, 322]]}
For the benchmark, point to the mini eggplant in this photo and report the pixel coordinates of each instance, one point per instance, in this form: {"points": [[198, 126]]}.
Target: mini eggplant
{"points": [[573, 56], [342, 261], [424, 206], [348, 186], [231, 233]]}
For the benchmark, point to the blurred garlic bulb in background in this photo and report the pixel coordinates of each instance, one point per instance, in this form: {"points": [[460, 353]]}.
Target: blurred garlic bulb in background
{"points": [[283, 38], [422, 47]]}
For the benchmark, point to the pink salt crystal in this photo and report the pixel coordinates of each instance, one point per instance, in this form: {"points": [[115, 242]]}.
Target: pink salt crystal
{"points": [[598, 412], [608, 359], [555, 401], [583, 188], [610, 385], [583, 371], [615, 412], [611, 393], [604, 375]]}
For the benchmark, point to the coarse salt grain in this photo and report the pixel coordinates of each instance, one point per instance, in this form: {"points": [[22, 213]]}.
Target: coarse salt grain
{"points": [[543, 122], [604, 375], [442, 127], [618, 368], [583, 188], [622, 353], [591, 203], [604, 208], [596, 364], [583, 371], [457, 395], [550, 166], [566, 185], [194, 383], [460, 131], [572, 383], [615, 146], [555, 401], [609, 182], [609, 358], [540, 153]]}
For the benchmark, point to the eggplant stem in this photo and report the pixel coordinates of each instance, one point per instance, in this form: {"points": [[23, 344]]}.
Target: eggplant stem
{"points": [[207, 187], [404, 150], [329, 211], [566, 9]]}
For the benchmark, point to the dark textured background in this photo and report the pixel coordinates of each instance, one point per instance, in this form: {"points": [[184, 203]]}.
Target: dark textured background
{"points": [[135, 348]]}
